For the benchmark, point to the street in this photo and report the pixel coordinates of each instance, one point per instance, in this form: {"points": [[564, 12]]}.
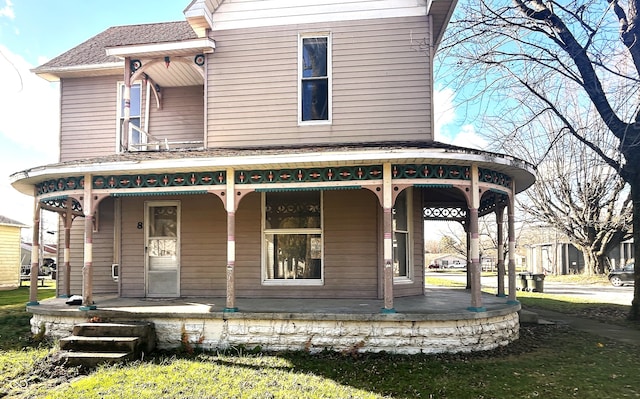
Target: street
{"points": [[594, 293]]}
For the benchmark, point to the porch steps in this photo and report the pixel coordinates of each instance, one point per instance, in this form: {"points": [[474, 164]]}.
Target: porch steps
{"points": [[98, 343]]}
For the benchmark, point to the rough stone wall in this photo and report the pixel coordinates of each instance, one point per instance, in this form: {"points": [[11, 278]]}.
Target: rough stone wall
{"points": [[405, 337]]}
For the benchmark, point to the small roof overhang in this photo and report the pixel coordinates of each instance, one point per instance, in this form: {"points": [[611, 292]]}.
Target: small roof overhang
{"points": [[53, 74], [154, 50]]}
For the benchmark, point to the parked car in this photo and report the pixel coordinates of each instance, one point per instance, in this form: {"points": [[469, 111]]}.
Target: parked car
{"points": [[434, 266], [620, 277]]}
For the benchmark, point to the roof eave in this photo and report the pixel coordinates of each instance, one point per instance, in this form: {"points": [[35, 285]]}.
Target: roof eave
{"points": [[522, 172], [203, 45], [53, 74]]}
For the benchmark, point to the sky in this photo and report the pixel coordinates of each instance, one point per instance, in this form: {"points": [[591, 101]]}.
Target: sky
{"points": [[35, 31]]}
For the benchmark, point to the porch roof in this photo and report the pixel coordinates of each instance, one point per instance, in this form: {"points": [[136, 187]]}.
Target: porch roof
{"points": [[303, 156]]}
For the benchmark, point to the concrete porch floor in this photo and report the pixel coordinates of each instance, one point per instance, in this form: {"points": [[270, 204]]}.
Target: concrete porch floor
{"points": [[438, 303]]}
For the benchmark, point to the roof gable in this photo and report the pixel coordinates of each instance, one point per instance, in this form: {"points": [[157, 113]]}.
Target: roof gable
{"points": [[92, 52]]}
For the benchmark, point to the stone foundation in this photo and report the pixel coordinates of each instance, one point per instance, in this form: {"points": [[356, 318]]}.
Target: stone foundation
{"points": [[309, 332]]}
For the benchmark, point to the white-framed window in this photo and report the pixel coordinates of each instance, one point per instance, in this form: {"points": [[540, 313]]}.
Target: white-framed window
{"points": [[135, 114], [292, 238], [314, 71], [402, 237]]}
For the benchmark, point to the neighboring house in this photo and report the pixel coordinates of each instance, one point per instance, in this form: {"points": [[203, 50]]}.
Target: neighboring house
{"points": [[565, 258], [49, 254], [10, 252], [280, 152], [450, 261]]}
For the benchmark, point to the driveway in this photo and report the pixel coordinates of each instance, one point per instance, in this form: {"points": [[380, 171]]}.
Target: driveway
{"points": [[594, 293]]}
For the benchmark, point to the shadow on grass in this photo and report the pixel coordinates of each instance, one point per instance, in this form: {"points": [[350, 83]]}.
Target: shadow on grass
{"points": [[15, 327]]}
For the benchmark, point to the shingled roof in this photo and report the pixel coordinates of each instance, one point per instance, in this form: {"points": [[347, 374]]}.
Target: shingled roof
{"points": [[92, 51], [5, 221]]}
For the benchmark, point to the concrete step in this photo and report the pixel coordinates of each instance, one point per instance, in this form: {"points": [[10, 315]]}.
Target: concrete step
{"points": [[93, 359], [100, 344], [144, 330]]}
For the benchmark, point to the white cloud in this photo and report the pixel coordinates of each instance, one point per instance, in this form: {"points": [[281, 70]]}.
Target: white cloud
{"points": [[29, 129], [445, 116], [30, 106], [468, 137], [444, 113], [7, 10]]}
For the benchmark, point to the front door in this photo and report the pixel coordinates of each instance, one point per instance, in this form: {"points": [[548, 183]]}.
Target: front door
{"points": [[163, 248]]}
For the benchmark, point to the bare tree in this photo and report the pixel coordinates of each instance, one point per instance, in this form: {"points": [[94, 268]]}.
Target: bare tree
{"points": [[526, 57], [581, 197]]}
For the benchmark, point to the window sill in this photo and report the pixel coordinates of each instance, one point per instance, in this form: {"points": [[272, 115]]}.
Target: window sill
{"points": [[402, 280], [293, 282]]}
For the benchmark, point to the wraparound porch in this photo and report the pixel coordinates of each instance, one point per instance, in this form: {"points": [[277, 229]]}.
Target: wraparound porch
{"points": [[436, 322]]}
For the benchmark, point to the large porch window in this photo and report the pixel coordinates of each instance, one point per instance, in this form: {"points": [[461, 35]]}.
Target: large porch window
{"points": [[292, 231], [402, 211]]}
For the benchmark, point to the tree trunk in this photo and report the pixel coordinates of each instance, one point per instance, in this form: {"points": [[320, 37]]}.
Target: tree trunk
{"points": [[635, 195]]}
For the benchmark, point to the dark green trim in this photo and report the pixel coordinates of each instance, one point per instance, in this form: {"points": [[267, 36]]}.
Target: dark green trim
{"points": [[157, 193], [90, 307], [230, 310], [477, 309], [322, 188], [36, 303], [387, 311]]}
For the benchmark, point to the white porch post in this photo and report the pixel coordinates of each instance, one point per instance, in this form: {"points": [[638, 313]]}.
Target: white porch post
{"points": [[67, 220], [501, 271], [231, 241], [474, 268], [87, 269], [512, 245], [126, 97], [35, 255], [387, 204]]}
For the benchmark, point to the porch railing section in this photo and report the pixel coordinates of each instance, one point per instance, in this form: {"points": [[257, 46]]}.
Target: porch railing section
{"points": [[140, 140]]}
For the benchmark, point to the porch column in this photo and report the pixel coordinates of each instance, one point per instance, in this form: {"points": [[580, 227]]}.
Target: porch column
{"points": [[68, 219], [35, 255], [387, 204], [231, 242], [87, 269], [512, 245], [126, 97], [474, 267], [499, 222], [468, 260]]}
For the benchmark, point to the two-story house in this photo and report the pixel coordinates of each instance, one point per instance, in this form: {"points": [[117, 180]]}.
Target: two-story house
{"points": [[261, 149]]}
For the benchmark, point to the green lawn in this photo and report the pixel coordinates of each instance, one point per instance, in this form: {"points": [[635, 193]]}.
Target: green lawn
{"points": [[546, 362]]}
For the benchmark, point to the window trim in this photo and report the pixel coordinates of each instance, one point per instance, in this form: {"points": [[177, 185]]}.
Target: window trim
{"points": [[119, 113], [264, 250], [329, 119], [409, 278]]}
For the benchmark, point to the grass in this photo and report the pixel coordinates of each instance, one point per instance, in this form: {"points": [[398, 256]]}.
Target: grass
{"points": [[588, 367]]}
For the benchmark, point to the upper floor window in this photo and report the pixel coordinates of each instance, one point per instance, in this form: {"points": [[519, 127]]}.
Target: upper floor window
{"points": [[402, 235], [292, 238], [135, 113], [315, 78]]}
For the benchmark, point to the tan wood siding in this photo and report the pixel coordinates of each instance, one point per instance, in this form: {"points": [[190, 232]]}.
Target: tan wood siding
{"points": [[181, 117], [9, 256], [380, 80], [132, 248], [88, 117], [203, 249], [350, 226], [103, 241]]}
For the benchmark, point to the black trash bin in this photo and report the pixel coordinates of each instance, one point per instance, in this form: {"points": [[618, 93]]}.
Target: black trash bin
{"points": [[538, 282], [523, 281]]}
